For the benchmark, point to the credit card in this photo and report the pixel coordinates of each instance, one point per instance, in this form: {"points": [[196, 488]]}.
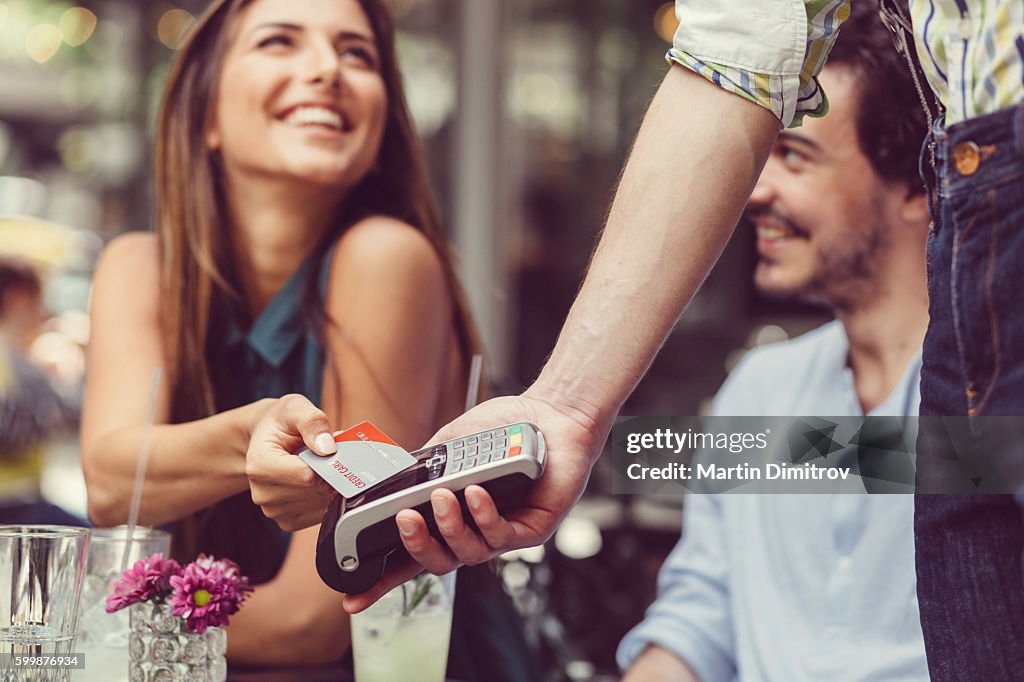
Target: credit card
{"points": [[366, 457]]}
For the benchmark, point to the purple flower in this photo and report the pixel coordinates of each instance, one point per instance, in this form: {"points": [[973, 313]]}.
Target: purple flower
{"points": [[149, 578], [208, 592]]}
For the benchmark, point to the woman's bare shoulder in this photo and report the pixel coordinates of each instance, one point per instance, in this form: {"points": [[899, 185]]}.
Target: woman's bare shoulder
{"points": [[128, 270], [132, 253], [387, 255], [383, 238]]}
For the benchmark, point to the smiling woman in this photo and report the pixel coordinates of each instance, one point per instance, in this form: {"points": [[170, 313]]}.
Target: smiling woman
{"points": [[297, 252], [310, 134]]}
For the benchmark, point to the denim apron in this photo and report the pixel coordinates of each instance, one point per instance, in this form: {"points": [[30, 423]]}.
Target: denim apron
{"points": [[969, 545]]}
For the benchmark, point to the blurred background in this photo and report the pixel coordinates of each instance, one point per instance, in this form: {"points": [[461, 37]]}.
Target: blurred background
{"points": [[527, 110]]}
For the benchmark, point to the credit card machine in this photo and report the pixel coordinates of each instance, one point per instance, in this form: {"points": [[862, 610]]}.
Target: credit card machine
{"points": [[358, 535]]}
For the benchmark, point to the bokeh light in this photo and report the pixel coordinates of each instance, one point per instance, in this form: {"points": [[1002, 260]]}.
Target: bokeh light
{"points": [[538, 94], [516, 576], [769, 333], [531, 555], [43, 42], [665, 23], [173, 27], [578, 538], [78, 149], [77, 25], [151, 18]]}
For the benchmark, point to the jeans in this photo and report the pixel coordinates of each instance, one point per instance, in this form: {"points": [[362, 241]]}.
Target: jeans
{"points": [[970, 580]]}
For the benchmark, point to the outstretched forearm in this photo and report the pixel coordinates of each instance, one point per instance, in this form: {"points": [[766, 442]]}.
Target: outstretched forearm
{"points": [[190, 466], [692, 168], [691, 171]]}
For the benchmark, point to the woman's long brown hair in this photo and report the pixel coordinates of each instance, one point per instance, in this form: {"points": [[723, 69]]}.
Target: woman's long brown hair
{"points": [[196, 259]]}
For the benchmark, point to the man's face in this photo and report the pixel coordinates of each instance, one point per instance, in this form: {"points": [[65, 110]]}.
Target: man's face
{"points": [[818, 208]]}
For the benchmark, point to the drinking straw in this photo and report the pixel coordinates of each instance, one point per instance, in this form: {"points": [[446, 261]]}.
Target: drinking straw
{"points": [[473, 388], [140, 467]]}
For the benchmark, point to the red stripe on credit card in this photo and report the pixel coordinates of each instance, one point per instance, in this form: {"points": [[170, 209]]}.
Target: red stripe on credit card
{"points": [[365, 432]]}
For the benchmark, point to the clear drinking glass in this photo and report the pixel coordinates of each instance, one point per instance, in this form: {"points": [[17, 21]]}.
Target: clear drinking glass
{"points": [[41, 570], [103, 637], [405, 634]]}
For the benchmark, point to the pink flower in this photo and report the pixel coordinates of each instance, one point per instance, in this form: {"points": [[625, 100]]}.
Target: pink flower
{"points": [[208, 592], [149, 578]]}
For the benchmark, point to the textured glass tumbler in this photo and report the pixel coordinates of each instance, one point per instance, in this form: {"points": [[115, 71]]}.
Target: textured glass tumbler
{"points": [[162, 650], [41, 570], [102, 636]]}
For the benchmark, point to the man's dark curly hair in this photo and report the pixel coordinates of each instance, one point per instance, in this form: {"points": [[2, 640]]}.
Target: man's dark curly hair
{"points": [[891, 124]]}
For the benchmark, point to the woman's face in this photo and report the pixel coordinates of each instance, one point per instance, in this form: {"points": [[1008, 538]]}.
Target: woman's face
{"points": [[301, 96]]}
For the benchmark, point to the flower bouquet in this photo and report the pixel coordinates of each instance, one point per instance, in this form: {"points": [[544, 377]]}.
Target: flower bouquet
{"points": [[177, 615]]}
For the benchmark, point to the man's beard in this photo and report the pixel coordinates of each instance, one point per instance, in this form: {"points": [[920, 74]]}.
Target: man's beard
{"points": [[845, 272]]}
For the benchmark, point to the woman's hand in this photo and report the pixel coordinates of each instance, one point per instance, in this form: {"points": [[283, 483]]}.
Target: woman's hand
{"points": [[283, 486]]}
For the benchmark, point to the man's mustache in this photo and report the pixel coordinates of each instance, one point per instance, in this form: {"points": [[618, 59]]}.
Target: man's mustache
{"points": [[770, 217]]}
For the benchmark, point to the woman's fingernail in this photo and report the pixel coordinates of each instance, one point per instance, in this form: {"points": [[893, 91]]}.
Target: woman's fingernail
{"points": [[325, 444], [404, 527], [473, 501], [441, 505]]}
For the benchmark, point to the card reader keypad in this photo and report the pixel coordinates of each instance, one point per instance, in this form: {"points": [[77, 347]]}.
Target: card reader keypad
{"points": [[436, 461], [484, 448]]}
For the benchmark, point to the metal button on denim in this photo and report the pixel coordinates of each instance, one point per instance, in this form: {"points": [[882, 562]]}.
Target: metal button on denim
{"points": [[967, 157]]}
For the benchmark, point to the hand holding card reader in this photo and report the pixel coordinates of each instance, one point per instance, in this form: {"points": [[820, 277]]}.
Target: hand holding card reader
{"points": [[359, 534]]}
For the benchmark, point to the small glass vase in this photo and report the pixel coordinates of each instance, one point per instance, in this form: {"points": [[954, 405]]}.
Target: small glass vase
{"points": [[163, 650]]}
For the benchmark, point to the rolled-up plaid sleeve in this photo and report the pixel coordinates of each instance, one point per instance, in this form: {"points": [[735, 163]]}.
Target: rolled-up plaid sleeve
{"points": [[768, 51]]}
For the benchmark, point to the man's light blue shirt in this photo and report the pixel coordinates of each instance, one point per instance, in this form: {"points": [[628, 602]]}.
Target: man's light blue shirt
{"points": [[793, 587]]}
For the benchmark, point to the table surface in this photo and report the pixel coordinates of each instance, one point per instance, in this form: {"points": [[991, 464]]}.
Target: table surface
{"points": [[333, 673], [322, 673]]}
